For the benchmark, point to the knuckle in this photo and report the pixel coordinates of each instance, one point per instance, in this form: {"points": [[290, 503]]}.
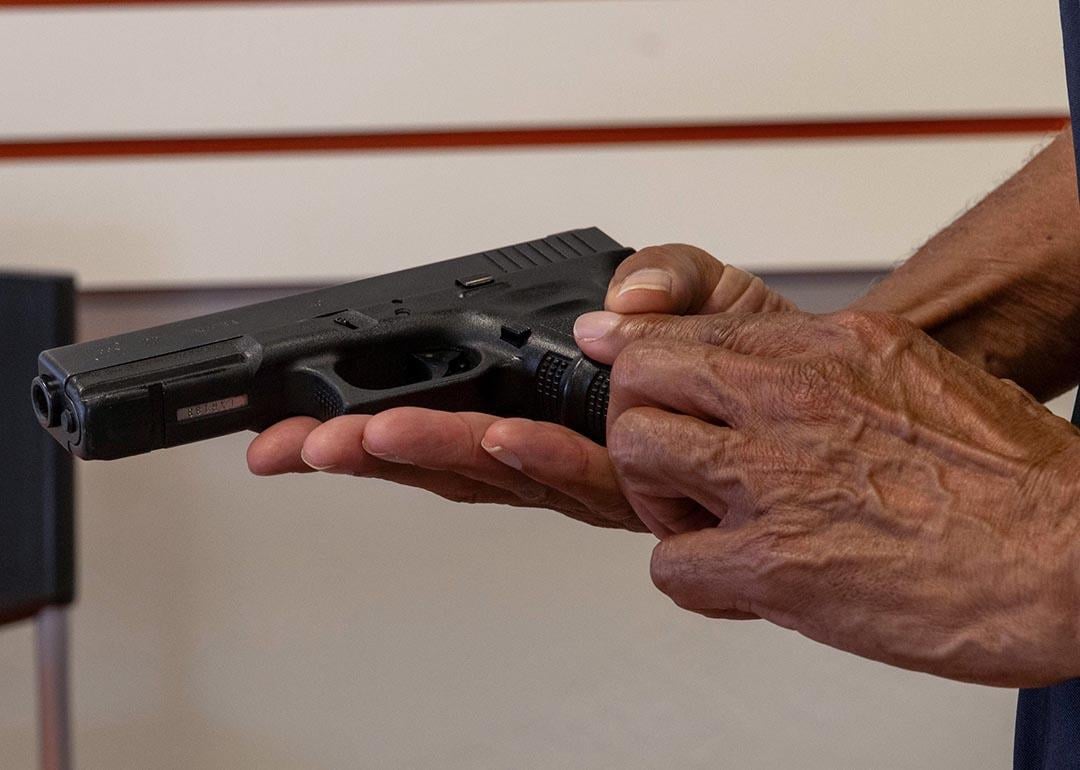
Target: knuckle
{"points": [[579, 463], [626, 440], [640, 359], [621, 443], [664, 569], [753, 294], [727, 451], [874, 327], [894, 326], [468, 451], [629, 363], [872, 344], [716, 368], [753, 332], [723, 332], [848, 319]]}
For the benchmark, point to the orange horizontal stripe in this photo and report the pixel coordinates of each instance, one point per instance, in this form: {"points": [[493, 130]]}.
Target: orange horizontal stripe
{"points": [[396, 141]]}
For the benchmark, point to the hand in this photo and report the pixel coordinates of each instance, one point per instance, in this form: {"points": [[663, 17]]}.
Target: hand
{"points": [[480, 458], [847, 477]]}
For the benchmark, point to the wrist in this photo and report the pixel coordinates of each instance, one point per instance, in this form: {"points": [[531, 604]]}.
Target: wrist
{"points": [[1015, 321], [1053, 487]]}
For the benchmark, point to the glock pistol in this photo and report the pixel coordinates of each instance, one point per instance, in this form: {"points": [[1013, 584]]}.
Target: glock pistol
{"points": [[490, 332]]}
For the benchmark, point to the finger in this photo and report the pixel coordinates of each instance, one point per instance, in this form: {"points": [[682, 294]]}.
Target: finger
{"points": [[674, 279], [602, 334], [369, 445], [277, 449], [667, 516], [682, 279], [722, 571], [565, 461], [385, 444], [338, 446], [450, 441], [709, 383], [659, 455], [738, 291]]}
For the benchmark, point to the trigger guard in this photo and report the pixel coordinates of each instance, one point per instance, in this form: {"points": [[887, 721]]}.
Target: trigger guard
{"points": [[441, 363]]}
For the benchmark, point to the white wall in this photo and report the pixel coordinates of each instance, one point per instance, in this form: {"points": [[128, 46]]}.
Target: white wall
{"points": [[228, 621], [288, 219], [325, 67], [314, 65]]}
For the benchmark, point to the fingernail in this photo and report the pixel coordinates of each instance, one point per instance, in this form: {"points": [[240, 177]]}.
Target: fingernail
{"points": [[310, 464], [593, 326], [647, 279], [384, 455], [503, 455]]}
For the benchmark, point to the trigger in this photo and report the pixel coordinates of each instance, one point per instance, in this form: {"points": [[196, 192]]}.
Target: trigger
{"points": [[436, 364]]}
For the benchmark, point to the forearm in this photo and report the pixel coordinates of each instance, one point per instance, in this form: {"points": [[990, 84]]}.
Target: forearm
{"points": [[1001, 286]]}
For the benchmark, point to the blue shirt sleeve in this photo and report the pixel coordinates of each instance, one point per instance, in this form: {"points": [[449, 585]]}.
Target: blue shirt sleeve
{"points": [[1048, 718]]}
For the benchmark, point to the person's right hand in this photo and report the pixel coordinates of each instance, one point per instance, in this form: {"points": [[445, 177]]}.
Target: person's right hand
{"points": [[847, 477], [479, 458]]}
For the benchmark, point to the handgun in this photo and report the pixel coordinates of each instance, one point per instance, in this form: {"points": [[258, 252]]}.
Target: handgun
{"points": [[489, 332]]}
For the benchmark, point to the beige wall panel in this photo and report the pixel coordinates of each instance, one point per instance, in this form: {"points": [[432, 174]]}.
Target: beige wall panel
{"points": [[334, 65], [331, 217]]}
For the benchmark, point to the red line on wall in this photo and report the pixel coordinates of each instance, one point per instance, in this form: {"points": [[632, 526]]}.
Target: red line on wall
{"points": [[397, 141]]}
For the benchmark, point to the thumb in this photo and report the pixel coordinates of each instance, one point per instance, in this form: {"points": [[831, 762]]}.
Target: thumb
{"points": [[684, 280], [674, 278], [602, 335]]}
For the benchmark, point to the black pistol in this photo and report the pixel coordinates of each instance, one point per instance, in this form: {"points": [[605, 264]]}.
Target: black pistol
{"points": [[491, 332]]}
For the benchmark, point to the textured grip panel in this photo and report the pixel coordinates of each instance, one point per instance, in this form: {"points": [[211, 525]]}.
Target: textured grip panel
{"points": [[549, 377], [328, 402], [596, 405]]}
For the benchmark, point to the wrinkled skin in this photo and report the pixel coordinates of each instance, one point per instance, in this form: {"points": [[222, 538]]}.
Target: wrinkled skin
{"points": [[841, 475], [478, 458], [847, 477]]}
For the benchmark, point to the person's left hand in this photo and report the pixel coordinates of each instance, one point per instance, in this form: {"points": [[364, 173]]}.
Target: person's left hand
{"points": [[477, 458], [847, 477]]}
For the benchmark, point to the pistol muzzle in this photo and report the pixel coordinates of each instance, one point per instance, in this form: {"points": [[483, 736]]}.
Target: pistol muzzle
{"points": [[47, 400]]}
